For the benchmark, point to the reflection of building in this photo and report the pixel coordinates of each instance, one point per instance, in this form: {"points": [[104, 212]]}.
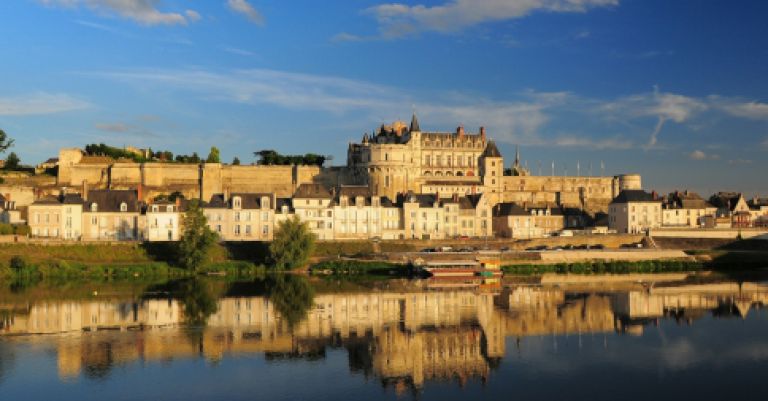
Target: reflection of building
{"points": [[406, 337]]}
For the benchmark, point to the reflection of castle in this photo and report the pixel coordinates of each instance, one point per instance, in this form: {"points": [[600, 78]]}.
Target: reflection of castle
{"points": [[406, 337]]}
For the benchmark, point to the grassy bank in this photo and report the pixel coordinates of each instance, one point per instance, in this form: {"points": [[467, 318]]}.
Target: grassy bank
{"points": [[600, 267], [353, 267]]}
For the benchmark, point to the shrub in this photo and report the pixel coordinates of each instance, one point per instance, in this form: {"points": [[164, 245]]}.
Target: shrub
{"points": [[18, 263], [21, 229], [6, 229]]}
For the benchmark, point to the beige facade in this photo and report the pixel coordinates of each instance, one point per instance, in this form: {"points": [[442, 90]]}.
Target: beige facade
{"points": [[400, 158], [511, 220], [242, 216], [634, 212], [56, 217], [686, 209], [162, 222], [432, 217]]}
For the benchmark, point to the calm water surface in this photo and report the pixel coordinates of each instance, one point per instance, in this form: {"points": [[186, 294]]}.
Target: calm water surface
{"points": [[672, 337]]}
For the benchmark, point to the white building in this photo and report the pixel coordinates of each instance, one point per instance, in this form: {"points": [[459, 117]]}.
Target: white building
{"points": [[634, 211]]}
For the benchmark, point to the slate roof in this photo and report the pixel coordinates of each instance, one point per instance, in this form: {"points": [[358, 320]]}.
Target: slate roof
{"points": [[312, 191], [726, 200], [686, 200], [414, 124], [109, 200], [491, 150], [250, 200], [514, 209], [634, 195], [280, 202]]}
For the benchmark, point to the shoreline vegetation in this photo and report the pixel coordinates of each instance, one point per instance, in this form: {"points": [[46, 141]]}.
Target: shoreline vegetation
{"points": [[126, 261]]}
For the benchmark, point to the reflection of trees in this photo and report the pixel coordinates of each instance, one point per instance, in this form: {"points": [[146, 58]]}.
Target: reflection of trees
{"points": [[198, 302], [291, 295], [98, 360]]}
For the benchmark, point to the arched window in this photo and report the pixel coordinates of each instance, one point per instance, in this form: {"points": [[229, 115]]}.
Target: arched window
{"points": [[94, 207]]}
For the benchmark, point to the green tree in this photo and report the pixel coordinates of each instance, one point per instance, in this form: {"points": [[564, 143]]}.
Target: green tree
{"points": [[236, 161], [293, 244], [214, 156], [5, 142], [12, 162], [197, 240]]}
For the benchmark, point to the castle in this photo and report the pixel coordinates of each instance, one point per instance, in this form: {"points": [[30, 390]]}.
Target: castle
{"points": [[393, 160]]}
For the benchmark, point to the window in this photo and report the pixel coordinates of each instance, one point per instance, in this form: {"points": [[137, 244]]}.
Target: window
{"points": [[94, 207], [265, 230], [169, 209], [123, 207], [247, 231], [237, 229], [236, 202]]}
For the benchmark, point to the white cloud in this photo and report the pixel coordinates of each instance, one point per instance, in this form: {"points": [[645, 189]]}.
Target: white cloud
{"points": [[613, 143], [663, 106], [701, 155], [346, 37], [145, 12], [397, 20], [736, 162], [193, 15], [239, 52], [245, 8], [750, 110], [40, 103]]}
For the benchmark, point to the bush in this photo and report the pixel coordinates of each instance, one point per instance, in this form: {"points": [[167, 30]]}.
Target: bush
{"points": [[18, 263], [21, 229], [6, 229]]}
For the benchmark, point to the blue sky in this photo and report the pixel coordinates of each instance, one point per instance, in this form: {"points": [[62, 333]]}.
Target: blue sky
{"points": [[674, 90]]}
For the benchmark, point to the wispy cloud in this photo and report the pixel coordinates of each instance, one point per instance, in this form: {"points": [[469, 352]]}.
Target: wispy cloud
{"points": [[701, 155], [347, 37], [246, 9], [398, 20], [746, 109], [144, 12], [239, 52], [125, 129], [736, 162], [662, 106], [40, 103], [527, 117]]}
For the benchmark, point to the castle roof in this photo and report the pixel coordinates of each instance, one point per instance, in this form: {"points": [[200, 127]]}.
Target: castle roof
{"points": [[491, 150], [414, 124]]}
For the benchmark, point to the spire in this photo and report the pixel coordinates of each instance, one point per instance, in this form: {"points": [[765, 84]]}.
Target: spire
{"points": [[517, 155], [415, 124]]}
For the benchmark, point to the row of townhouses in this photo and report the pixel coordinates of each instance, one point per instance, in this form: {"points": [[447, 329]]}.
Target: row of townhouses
{"points": [[353, 213], [637, 211]]}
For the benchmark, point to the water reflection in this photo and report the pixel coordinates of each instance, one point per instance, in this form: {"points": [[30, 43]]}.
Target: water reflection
{"points": [[405, 334]]}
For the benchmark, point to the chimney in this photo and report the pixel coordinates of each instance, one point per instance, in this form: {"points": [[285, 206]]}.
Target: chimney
{"points": [[655, 195], [460, 131], [178, 202], [482, 133], [140, 192], [226, 194], [85, 190]]}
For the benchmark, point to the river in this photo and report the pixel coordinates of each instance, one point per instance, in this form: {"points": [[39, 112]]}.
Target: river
{"points": [[700, 336]]}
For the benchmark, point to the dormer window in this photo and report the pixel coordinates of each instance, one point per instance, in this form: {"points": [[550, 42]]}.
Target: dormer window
{"points": [[265, 202], [94, 207], [123, 207], [237, 203], [169, 209], [155, 208]]}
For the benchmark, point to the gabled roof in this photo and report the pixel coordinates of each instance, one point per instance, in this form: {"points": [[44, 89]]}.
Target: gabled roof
{"points": [[216, 202], [634, 195], [686, 200], [726, 200], [491, 150], [109, 200], [312, 191]]}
